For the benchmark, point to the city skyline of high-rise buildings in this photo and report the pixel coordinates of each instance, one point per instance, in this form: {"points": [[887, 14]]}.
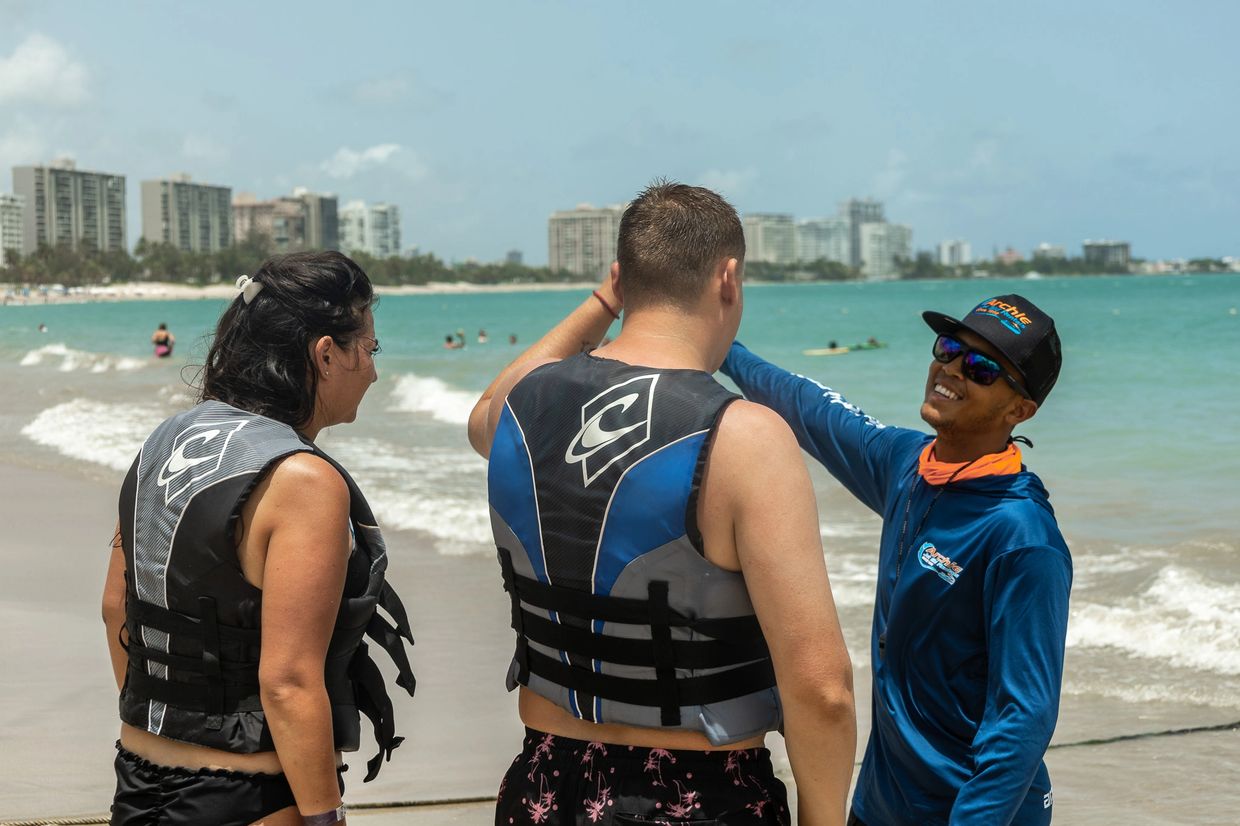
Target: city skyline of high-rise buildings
{"points": [[370, 228], [11, 240], [191, 216], [77, 208], [86, 210], [582, 241]]}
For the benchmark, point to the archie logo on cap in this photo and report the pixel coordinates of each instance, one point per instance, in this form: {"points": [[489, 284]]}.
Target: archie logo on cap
{"points": [[1009, 315]]}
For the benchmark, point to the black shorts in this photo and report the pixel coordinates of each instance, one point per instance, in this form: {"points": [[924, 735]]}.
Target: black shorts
{"points": [[557, 782], [148, 794]]}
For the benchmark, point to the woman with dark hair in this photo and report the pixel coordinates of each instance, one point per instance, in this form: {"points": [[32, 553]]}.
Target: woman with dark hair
{"points": [[247, 567], [163, 341]]}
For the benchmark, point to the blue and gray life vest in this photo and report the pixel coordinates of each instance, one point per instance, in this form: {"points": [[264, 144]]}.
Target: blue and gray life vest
{"points": [[593, 480], [193, 619]]}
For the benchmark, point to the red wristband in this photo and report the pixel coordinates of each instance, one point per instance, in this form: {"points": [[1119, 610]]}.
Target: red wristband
{"points": [[606, 306]]}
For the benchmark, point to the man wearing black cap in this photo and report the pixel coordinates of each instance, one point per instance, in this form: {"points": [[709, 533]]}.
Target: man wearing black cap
{"points": [[971, 607]]}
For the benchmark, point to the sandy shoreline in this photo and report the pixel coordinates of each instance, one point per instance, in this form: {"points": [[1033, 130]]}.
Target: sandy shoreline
{"points": [[17, 295]]}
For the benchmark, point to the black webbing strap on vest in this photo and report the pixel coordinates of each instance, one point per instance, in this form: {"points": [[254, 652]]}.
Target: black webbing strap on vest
{"points": [[206, 683], [211, 663], [693, 654], [194, 696], [624, 609], [521, 655], [374, 702], [390, 602], [174, 622], [389, 638], [692, 691], [664, 656], [734, 646]]}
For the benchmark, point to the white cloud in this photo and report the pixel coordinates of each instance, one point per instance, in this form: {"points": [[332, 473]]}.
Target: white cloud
{"points": [[347, 163], [729, 183], [21, 144], [40, 70]]}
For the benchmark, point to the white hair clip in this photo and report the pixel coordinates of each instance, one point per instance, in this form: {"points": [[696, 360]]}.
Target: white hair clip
{"points": [[248, 287]]}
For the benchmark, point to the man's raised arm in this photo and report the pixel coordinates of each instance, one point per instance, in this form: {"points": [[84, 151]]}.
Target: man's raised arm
{"points": [[855, 448], [581, 329]]}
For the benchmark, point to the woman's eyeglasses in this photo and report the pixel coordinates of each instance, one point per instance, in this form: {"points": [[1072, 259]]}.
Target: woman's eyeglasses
{"points": [[977, 366], [374, 349]]}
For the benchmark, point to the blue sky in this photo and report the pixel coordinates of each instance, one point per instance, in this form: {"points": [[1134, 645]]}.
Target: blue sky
{"points": [[997, 123]]}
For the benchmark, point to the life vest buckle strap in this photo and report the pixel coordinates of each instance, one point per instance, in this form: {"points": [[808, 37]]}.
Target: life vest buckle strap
{"points": [[211, 663], [522, 657], [374, 702], [587, 606], [192, 696], [689, 654], [389, 639], [390, 602], [174, 622], [664, 655], [692, 691]]}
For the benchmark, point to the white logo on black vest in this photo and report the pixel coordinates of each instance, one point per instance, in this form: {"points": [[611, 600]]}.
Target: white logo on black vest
{"points": [[197, 452], [613, 423]]}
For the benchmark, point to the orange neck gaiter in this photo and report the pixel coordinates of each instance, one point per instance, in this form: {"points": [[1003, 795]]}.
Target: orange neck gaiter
{"points": [[992, 464]]}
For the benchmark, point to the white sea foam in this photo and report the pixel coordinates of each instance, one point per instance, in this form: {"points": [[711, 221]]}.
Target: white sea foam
{"points": [[852, 579], [423, 394], [850, 530], [72, 360], [108, 434], [1215, 694], [436, 491], [1181, 618]]}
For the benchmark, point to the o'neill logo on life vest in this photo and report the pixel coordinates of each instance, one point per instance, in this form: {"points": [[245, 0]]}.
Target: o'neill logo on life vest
{"points": [[197, 452], [613, 423], [932, 560]]}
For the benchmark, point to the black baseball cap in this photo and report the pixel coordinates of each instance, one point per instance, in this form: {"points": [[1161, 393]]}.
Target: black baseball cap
{"points": [[1014, 326]]}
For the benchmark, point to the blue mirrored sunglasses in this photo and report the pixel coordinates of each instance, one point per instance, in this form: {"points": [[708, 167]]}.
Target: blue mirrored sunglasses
{"points": [[977, 366]]}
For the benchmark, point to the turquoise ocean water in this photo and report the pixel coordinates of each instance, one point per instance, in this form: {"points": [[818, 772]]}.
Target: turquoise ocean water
{"points": [[1139, 444]]}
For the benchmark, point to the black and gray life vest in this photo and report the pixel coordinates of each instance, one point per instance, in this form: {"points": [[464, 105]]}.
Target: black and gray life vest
{"points": [[593, 481], [194, 620]]}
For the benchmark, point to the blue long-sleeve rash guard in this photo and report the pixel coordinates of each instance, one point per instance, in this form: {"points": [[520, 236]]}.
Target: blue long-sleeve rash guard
{"points": [[969, 626]]}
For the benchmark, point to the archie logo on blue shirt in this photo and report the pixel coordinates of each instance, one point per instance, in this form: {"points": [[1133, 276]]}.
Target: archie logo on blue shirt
{"points": [[932, 560]]}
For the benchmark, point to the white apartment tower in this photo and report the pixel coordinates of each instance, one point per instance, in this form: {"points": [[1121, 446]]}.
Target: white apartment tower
{"points": [[11, 209], [71, 207], [819, 238], [374, 230], [191, 217], [1052, 252], [881, 245], [955, 253], [859, 212], [582, 241], [770, 237]]}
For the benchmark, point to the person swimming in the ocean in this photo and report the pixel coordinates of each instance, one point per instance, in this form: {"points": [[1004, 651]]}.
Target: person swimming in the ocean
{"points": [[163, 341]]}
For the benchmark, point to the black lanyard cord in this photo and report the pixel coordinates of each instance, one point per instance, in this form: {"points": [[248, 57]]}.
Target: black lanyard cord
{"points": [[908, 504]]}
